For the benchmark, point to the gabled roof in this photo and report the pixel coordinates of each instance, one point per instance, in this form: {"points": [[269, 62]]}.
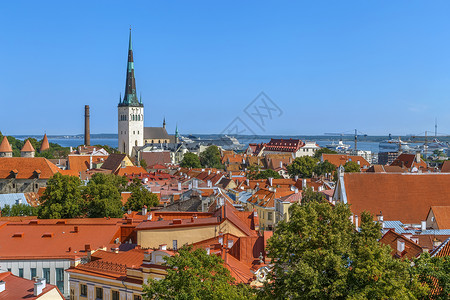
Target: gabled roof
{"points": [[157, 157], [284, 145], [442, 250], [441, 216], [408, 161], [385, 169], [21, 288], [5, 146], [45, 144], [130, 170], [155, 133], [444, 169], [341, 159], [27, 147], [26, 167], [406, 197], [81, 163], [391, 238], [113, 161]]}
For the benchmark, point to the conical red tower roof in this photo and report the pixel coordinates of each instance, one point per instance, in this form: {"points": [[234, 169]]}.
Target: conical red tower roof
{"points": [[27, 147], [5, 146], [45, 145]]}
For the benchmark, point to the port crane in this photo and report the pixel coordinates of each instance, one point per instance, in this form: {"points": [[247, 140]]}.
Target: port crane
{"points": [[355, 134]]}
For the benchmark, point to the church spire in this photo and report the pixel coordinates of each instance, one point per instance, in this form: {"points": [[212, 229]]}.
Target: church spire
{"points": [[164, 122], [130, 98]]}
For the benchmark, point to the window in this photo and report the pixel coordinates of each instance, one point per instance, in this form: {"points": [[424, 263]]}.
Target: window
{"points": [[46, 274], [98, 293], [137, 297], [115, 295], [269, 216], [175, 244], [83, 290], [21, 272], [60, 279], [33, 272]]}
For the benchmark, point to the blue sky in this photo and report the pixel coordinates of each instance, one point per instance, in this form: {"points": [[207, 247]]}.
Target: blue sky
{"points": [[331, 66]]}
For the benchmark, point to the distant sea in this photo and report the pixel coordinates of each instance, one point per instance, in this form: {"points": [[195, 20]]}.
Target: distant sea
{"points": [[370, 143], [75, 142]]}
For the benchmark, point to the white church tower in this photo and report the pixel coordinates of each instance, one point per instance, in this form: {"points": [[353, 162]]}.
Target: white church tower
{"points": [[130, 112]]}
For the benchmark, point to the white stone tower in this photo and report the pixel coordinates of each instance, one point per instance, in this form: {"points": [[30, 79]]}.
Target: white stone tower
{"points": [[130, 112]]}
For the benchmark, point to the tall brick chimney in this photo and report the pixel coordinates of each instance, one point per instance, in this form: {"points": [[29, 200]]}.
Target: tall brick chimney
{"points": [[87, 130]]}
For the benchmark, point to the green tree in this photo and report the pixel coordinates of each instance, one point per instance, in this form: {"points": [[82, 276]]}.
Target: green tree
{"points": [[19, 210], [302, 166], [103, 197], [210, 158], [309, 195], [319, 255], [190, 160], [352, 167], [434, 272], [318, 153], [62, 198], [143, 163], [193, 274], [267, 174], [140, 197], [325, 167]]}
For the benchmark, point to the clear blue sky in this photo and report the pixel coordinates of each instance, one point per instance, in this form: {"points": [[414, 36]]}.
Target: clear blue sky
{"points": [[331, 66]]}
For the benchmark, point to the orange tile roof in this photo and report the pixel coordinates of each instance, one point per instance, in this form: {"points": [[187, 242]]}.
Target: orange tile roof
{"points": [[341, 159], [130, 170], [5, 146], [26, 167], [27, 147], [442, 216], [411, 251], [45, 145], [445, 168], [405, 197], [408, 161], [80, 163], [442, 250], [21, 288], [27, 240]]}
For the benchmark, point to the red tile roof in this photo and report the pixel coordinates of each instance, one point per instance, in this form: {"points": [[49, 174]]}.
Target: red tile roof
{"points": [[27, 240], [283, 145], [45, 145], [341, 159], [443, 249], [130, 171], [391, 238], [26, 167], [21, 288], [5, 146], [408, 161], [27, 147], [81, 163], [444, 169], [405, 197], [441, 216]]}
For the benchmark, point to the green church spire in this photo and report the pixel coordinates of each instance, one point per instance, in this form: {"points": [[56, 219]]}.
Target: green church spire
{"points": [[130, 98]]}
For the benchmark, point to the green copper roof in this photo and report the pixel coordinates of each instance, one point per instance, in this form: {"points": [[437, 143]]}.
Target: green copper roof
{"points": [[130, 97]]}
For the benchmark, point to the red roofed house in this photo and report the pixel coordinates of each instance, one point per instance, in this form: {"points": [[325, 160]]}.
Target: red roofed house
{"points": [[25, 174], [45, 248], [15, 287], [341, 159], [117, 275], [439, 217], [295, 147], [413, 162], [405, 197], [401, 245]]}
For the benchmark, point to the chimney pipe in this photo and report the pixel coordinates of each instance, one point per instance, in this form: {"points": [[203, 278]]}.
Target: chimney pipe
{"points": [[87, 129], [2, 286]]}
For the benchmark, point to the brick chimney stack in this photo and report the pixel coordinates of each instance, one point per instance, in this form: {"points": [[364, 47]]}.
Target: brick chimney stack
{"points": [[87, 129]]}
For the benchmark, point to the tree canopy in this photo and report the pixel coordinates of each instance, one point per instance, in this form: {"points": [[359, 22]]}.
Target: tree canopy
{"points": [[19, 209], [323, 168], [319, 152], [67, 197], [302, 166], [318, 254], [193, 274], [352, 167], [266, 174], [190, 160], [62, 198], [140, 197], [210, 158]]}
